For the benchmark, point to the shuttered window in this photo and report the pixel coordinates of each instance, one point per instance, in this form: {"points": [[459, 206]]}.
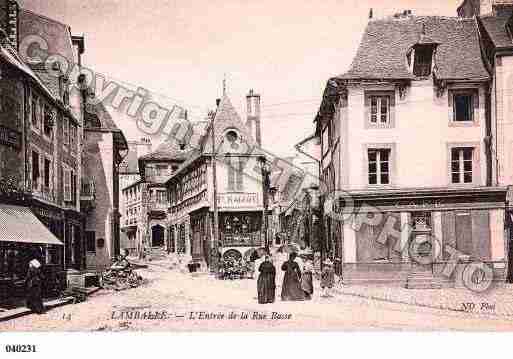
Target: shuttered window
{"points": [[67, 185]]}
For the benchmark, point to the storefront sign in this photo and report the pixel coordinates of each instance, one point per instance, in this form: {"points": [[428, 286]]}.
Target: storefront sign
{"points": [[238, 200]]}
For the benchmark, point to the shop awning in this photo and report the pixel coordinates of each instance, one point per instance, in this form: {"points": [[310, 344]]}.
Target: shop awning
{"points": [[19, 224]]}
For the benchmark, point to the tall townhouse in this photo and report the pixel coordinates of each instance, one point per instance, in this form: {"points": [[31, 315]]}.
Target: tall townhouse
{"points": [[105, 148], [40, 164], [408, 160], [495, 22], [240, 195]]}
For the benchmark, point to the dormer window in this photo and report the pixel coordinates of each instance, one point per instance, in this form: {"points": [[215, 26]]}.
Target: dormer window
{"points": [[420, 56], [423, 61]]}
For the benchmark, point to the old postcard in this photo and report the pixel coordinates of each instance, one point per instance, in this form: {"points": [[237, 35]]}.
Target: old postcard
{"points": [[206, 166]]}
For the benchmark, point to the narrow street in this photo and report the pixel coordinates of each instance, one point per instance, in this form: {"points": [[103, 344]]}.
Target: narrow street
{"points": [[179, 294]]}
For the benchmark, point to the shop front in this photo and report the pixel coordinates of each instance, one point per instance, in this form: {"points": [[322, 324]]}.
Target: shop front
{"points": [[24, 237], [408, 238]]}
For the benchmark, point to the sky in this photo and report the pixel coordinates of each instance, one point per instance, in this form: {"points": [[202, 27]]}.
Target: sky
{"points": [[285, 50]]}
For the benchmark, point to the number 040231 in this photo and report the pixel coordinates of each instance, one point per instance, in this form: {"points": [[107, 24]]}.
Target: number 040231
{"points": [[20, 348]]}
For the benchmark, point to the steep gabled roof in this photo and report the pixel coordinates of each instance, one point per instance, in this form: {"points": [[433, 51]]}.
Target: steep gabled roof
{"points": [[383, 50], [495, 27], [226, 117]]}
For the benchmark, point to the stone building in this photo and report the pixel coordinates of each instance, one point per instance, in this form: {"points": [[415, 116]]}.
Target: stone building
{"points": [[40, 153], [239, 184], [409, 135], [146, 201]]}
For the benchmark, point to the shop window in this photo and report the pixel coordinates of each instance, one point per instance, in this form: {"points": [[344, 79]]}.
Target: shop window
{"points": [[379, 166], [90, 237], [462, 165]]}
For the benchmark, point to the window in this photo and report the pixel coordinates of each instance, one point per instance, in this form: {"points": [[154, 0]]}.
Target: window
{"points": [[379, 166], [90, 241], [48, 121], [35, 170], [47, 170], [463, 106], [65, 131], [181, 239], [72, 136], [235, 174], [35, 118], [423, 61], [380, 109], [461, 164], [67, 185], [73, 187]]}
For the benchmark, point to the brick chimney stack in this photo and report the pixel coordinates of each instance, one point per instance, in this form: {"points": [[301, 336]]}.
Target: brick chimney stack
{"points": [[253, 115], [9, 20]]}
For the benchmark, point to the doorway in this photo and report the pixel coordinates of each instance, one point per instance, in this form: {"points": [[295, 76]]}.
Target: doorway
{"points": [[157, 236]]}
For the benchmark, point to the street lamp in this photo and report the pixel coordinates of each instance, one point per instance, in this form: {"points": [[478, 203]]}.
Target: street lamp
{"points": [[266, 184]]}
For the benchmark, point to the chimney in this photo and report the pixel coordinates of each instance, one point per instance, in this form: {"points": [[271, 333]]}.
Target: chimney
{"points": [[253, 115], [9, 20], [79, 43]]}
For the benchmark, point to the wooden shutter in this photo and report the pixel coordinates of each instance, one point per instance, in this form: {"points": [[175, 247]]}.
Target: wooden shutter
{"points": [[481, 235], [448, 232], [463, 229], [67, 185]]}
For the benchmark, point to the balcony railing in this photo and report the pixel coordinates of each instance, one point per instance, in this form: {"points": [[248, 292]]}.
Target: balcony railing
{"points": [[158, 205]]}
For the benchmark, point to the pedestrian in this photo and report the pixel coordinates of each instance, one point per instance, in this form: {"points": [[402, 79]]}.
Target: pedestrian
{"points": [[291, 288], [327, 278], [307, 280], [34, 286], [266, 284], [280, 258]]}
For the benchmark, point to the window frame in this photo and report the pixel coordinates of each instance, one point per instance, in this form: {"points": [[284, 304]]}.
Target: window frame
{"points": [[474, 93], [369, 95], [392, 161], [476, 164]]}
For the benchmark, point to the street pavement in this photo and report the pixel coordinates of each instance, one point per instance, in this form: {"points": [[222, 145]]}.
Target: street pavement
{"points": [[176, 301]]}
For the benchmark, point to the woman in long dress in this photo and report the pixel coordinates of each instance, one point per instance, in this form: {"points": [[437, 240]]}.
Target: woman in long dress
{"points": [[291, 288], [307, 280], [266, 284], [34, 285]]}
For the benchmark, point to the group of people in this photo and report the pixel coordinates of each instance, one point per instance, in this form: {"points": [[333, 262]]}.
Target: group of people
{"points": [[297, 279]]}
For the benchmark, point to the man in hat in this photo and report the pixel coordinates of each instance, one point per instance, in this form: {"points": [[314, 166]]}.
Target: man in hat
{"points": [[327, 278]]}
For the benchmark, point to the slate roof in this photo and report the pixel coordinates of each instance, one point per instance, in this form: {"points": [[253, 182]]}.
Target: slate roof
{"points": [[226, 117], [495, 26], [168, 150], [386, 42]]}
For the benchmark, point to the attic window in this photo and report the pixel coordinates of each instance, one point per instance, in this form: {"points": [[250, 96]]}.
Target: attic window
{"points": [[423, 60], [231, 136]]}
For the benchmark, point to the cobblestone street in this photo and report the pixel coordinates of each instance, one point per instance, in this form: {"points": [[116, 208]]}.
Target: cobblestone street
{"points": [[179, 294]]}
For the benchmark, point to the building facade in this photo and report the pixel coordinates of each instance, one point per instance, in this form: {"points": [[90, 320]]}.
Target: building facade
{"points": [[239, 190], [407, 157], [40, 155]]}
